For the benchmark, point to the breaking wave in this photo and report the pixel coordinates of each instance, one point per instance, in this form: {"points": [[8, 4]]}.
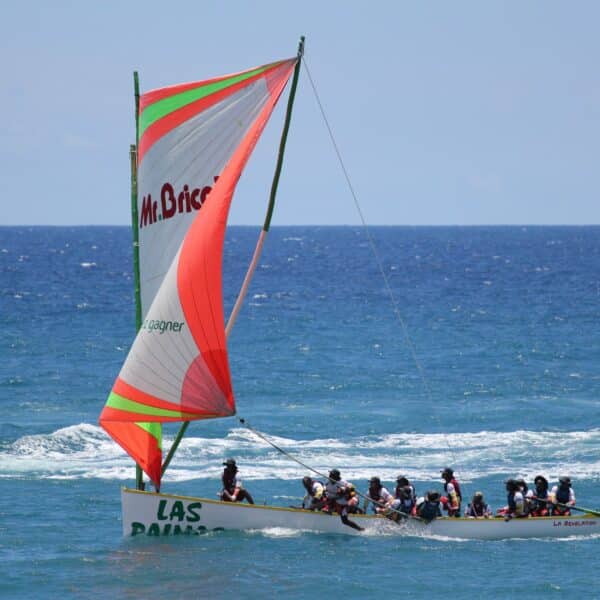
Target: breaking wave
{"points": [[85, 451]]}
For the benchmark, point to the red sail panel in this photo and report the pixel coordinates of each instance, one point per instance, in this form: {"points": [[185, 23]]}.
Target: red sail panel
{"points": [[202, 252], [177, 368], [142, 442]]}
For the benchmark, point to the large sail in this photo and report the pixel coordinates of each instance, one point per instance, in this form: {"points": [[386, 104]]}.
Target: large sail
{"points": [[194, 141]]}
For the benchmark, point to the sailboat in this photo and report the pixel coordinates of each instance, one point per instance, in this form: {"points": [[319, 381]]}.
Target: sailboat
{"points": [[192, 143]]}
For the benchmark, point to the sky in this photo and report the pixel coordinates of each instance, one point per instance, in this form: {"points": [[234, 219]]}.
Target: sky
{"points": [[445, 113]]}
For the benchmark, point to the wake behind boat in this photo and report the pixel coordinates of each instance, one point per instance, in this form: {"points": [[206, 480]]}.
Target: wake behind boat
{"points": [[193, 141]]}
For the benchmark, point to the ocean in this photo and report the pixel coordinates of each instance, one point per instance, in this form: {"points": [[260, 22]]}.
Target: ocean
{"points": [[397, 350]]}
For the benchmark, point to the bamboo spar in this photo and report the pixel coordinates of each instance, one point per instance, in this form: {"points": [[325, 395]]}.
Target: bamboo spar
{"points": [[136, 241], [257, 251], [261, 239]]}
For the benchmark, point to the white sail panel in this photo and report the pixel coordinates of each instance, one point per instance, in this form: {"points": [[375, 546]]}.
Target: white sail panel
{"points": [[164, 357], [179, 171]]}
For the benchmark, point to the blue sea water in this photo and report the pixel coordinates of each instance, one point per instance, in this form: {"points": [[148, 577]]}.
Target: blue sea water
{"points": [[481, 351]]}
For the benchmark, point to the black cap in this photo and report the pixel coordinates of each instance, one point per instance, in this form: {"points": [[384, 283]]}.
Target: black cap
{"points": [[565, 479], [447, 471], [229, 463], [335, 475]]}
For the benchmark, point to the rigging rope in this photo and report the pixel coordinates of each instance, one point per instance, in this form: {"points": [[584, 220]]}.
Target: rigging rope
{"points": [[388, 287], [263, 437]]}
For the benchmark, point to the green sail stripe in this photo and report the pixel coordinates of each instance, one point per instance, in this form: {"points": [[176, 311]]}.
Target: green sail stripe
{"points": [[124, 404], [162, 108], [153, 429]]}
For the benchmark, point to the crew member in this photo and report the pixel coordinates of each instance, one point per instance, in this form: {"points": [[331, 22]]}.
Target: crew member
{"points": [[353, 500], [338, 493], [315, 491], [453, 494], [378, 497], [403, 482], [233, 490], [562, 497], [405, 500], [539, 504], [430, 509], [479, 508], [527, 494], [515, 502]]}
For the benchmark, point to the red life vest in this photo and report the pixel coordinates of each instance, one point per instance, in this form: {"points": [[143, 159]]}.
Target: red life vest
{"points": [[456, 489]]}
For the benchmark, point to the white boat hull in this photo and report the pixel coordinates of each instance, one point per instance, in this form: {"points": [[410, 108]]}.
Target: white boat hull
{"points": [[153, 514]]}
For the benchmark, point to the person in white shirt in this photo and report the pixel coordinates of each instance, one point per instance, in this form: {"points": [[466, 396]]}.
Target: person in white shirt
{"points": [[453, 493], [562, 497], [233, 489], [479, 508], [527, 494], [315, 494], [339, 493], [378, 496], [515, 502]]}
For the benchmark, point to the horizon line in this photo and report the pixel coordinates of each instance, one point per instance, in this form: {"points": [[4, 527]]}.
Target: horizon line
{"points": [[361, 225]]}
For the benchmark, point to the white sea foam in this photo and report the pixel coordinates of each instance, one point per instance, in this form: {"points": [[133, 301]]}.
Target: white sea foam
{"points": [[85, 451], [280, 532]]}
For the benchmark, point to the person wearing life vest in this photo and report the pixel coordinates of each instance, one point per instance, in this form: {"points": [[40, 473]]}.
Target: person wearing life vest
{"points": [[527, 494], [515, 507], [353, 501], [315, 491], [479, 508], [405, 499], [562, 494], [233, 489], [340, 494], [430, 509], [540, 502], [401, 483], [453, 494], [378, 497]]}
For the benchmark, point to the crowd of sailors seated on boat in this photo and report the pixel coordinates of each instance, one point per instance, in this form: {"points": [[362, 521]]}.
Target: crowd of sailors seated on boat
{"points": [[339, 496], [539, 501]]}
